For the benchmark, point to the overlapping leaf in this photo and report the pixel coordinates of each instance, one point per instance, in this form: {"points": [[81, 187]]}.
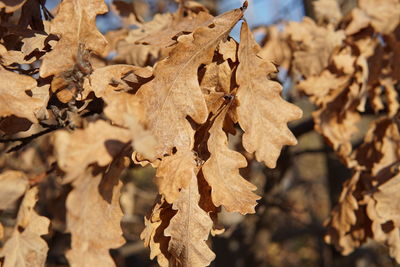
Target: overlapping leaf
{"points": [[221, 171], [14, 99], [263, 114], [75, 151], [174, 93], [13, 185], [26, 247], [74, 23], [189, 229], [94, 215]]}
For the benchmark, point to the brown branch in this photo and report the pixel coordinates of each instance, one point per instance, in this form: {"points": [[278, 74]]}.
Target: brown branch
{"points": [[303, 128], [26, 140]]}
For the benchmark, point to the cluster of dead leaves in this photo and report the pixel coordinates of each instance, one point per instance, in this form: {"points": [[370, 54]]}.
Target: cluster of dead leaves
{"points": [[349, 67], [170, 97]]}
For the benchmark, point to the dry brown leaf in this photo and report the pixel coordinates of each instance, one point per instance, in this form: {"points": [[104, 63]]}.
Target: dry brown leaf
{"points": [[221, 171], [337, 125], [75, 151], [175, 93], [127, 12], [348, 225], [94, 216], [138, 54], [384, 15], [10, 57], [263, 114], [106, 80], [276, 48], [327, 11], [313, 45], [382, 142], [318, 87], [153, 233], [392, 95], [36, 42], [359, 21], [207, 204], [345, 61], [189, 229], [154, 38], [384, 229], [25, 247], [344, 216], [114, 37], [13, 185], [388, 147], [14, 99], [217, 78], [74, 23], [112, 84], [387, 201], [228, 48], [174, 173], [393, 242], [164, 36]]}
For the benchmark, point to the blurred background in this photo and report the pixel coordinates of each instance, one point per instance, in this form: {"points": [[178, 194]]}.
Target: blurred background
{"points": [[297, 196]]}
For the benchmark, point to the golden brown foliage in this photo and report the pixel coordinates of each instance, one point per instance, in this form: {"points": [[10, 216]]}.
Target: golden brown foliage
{"points": [[349, 67], [182, 96], [174, 110]]}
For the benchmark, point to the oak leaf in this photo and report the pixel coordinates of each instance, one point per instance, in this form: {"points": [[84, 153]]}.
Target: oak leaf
{"points": [[392, 95], [25, 247], [10, 57], [94, 216], [174, 93], [155, 38], [14, 99], [276, 48], [221, 171], [153, 233], [38, 42], [337, 122], [75, 151], [74, 23], [13, 185], [174, 174], [216, 78], [228, 48], [348, 226], [387, 204], [263, 114], [318, 87], [189, 229], [130, 12], [384, 16], [327, 11], [114, 85], [313, 45]]}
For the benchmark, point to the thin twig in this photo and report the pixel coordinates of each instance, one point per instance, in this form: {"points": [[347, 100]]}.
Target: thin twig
{"points": [[303, 128], [26, 140]]}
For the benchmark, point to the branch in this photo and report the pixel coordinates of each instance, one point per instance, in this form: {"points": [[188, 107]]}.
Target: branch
{"points": [[26, 140], [303, 128]]}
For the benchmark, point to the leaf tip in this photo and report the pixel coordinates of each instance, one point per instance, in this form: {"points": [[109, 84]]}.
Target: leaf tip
{"points": [[245, 5]]}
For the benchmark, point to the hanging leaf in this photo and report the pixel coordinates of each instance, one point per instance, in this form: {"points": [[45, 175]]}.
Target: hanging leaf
{"points": [[263, 114], [26, 247]]}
